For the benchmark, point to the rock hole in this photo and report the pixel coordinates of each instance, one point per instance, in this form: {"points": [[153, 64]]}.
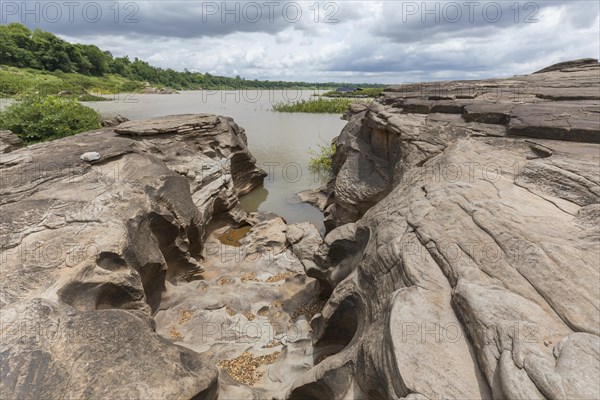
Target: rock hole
{"points": [[232, 236], [343, 323], [91, 296], [110, 261]]}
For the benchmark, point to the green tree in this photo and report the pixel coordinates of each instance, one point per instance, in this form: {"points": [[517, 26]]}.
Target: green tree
{"points": [[98, 59], [16, 46], [43, 50], [51, 51], [121, 66]]}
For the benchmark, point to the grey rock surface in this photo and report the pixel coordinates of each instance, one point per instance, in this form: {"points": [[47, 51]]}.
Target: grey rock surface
{"points": [[9, 142], [461, 260], [254, 301], [463, 248], [115, 121], [60, 352], [320, 197], [90, 249]]}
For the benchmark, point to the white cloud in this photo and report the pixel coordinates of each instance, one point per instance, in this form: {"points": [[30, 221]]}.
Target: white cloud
{"points": [[371, 42]]}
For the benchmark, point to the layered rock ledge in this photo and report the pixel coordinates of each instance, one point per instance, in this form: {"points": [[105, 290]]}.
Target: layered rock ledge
{"points": [[463, 248], [90, 248]]}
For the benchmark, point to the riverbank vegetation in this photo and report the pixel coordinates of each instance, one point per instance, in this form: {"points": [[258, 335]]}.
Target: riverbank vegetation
{"points": [[15, 82], [363, 92], [317, 105], [321, 160], [41, 58], [48, 76], [37, 119]]}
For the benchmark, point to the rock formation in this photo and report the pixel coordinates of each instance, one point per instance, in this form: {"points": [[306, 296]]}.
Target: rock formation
{"points": [[250, 313], [463, 253], [112, 122], [461, 259], [90, 248], [9, 142]]}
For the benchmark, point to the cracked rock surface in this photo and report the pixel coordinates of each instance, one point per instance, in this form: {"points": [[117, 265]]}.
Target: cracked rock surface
{"points": [[461, 260]]}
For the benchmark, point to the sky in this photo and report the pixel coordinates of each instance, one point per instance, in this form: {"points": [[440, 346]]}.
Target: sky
{"points": [[321, 41]]}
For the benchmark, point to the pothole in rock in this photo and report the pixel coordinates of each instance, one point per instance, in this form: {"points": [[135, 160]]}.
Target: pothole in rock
{"points": [[340, 330], [232, 236]]}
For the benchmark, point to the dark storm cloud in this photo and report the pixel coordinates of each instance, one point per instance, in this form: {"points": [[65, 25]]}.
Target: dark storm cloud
{"points": [[417, 45], [168, 19], [369, 60]]}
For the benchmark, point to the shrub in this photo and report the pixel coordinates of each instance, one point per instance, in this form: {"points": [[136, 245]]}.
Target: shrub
{"points": [[321, 160], [368, 92], [37, 119], [130, 86], [91, 98], [320, 105]]}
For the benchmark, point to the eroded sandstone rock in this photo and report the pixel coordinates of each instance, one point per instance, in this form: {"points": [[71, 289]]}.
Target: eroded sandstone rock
{"points": [[9, 142], [252, 309], [88, 248], [462, 246], [461, 259], [51, 350]]}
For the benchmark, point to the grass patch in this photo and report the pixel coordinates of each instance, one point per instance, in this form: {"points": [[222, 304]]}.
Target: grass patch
{"points": [[318, 105], [367, 92], [321, 160], [91, 98]]}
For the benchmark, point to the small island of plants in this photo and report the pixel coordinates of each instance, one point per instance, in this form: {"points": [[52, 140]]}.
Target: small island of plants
{"points": [[318, 105]]}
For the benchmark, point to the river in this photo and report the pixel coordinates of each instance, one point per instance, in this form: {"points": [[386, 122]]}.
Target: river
{"points": [[280, 141]]}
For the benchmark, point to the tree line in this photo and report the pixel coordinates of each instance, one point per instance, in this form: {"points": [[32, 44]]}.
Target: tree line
{"points": [[40, 50]]}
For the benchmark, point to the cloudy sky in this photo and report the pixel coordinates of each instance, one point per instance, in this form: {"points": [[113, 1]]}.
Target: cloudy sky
{"points": [[359, 41]]}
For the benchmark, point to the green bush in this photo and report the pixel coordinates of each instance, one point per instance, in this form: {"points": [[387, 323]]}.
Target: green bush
{"points": [[321, 160], [19, 82], [367, 92], [37, 119], [319, 105], [130, 87]]}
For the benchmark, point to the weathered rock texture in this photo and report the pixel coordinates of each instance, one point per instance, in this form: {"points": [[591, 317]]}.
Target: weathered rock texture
{"points": [[461, 260], [89, 250], [463, 251], [255, 299], [9, 142], [115, 121]]}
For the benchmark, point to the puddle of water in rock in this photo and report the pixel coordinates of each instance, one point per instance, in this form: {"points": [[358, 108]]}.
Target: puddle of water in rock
{"points": [[232, 236]]}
